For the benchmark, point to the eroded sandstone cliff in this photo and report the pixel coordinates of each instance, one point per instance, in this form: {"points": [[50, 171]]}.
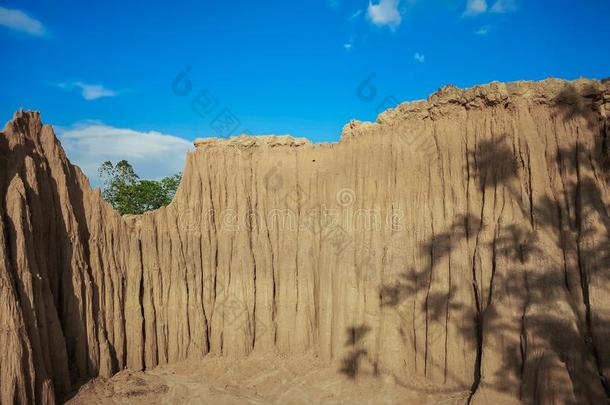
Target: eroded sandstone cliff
{"points": [[463, 239]]}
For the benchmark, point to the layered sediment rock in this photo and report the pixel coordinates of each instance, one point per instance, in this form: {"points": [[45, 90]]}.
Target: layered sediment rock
{"points": [[463, 239]]}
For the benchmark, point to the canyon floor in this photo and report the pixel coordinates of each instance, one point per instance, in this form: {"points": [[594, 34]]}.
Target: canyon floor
{"points": [[263, 379]]}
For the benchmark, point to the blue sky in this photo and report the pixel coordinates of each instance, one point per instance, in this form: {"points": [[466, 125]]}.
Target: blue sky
{"points": [[273, 67]]}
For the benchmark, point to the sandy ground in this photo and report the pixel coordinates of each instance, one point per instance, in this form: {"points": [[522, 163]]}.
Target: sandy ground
{"points": [[260, 380]]}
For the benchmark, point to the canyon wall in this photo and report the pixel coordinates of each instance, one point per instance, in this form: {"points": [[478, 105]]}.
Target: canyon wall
{"points": [[463, 240]]}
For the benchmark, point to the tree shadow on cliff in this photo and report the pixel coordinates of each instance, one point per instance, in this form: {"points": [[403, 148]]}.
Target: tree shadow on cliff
{"points": [[575, 223], [579, 218], [549, 332], [544, 334], [357, 353], [495, 164], [411, 294], [492, 163], [551, 340], [582, 103], [438, 247], [543, 269], [578, 102]]}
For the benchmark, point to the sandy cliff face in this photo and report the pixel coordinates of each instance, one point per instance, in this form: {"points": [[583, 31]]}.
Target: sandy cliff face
{"points": [[463, 239]]}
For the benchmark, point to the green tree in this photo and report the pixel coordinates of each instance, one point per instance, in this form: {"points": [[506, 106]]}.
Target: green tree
{"points": [[128, 194]]}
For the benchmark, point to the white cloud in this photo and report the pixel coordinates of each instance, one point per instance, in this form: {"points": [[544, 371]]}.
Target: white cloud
{"points": [[20, 21], [484, 30], [474, 7], [385, 13], [88, 91], [152, 154], [505, 6], [420, 57]]}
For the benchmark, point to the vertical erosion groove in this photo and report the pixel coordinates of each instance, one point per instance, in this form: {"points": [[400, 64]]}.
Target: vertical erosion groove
{"points": [[141, 302]]}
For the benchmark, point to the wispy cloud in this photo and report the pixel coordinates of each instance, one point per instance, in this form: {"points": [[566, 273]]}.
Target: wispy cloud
{"points": [[349, 45], [88, 91], [19, 21], [484, 30], [420, 57], [334, 4], [153, 155], [505, 6], [356, 14], [475, 7], [385, 13]]}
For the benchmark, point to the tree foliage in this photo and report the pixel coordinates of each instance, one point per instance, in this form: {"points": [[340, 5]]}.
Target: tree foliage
{"points": [[129, 194]]}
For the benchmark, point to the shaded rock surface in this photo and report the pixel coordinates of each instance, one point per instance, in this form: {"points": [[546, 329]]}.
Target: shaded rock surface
{"points": [[463, 240]]}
